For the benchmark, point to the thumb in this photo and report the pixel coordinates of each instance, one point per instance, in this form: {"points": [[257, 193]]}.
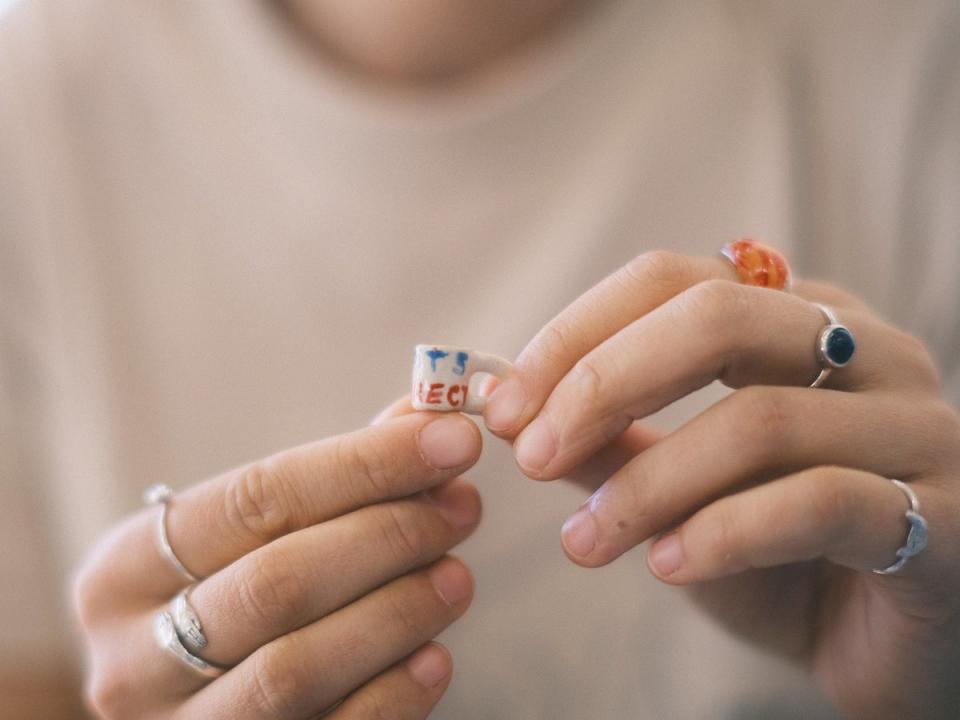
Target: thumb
{"points": [[400, 406]]}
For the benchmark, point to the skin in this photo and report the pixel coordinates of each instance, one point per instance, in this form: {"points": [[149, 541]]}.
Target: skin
{"points": [[424, 42], [332, 557], [339, 584], [777, 493], [776, 496]]}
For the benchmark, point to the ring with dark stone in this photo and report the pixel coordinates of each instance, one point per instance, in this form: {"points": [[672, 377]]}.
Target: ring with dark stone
{"points": [[835, 345]]}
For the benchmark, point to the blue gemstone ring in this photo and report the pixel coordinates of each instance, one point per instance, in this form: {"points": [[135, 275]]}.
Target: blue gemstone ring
{"points": [[835, 346]]}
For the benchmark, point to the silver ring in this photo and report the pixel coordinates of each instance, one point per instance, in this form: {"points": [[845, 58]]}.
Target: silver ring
{"points": [[162, 494], [835, 345], [166, 636], [186, 622], [916, 534]]}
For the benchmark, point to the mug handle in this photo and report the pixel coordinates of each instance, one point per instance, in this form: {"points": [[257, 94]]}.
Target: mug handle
{"points": [[492, 364]]}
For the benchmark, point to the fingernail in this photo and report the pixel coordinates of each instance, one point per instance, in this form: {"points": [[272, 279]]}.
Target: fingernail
{"points": [[457, 504], [666, 555], [452, 581], [536, 446], [505, 405], [448, 442], [579, 533], [429, 666]]}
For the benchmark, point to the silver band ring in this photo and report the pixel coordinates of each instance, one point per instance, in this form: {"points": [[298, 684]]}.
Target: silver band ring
{"points": [[186, 622], [916, 534], [835, 345], [162, 494], [166, 636]]}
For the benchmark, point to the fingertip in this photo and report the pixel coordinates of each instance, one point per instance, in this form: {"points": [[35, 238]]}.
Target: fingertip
{"points": [[454, 581], [584, 543], [535, 448], [505, 408], [579, 534], [431, 666], [665, 559], [449, 440], [590, 561], [580, 547], [460, 501], [411, 687]]}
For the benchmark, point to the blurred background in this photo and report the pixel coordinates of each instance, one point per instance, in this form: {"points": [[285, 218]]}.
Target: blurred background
{"points": [[206, 206]]}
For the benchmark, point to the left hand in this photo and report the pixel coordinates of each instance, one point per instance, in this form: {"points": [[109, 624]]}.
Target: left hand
{"points": [[778, 494]]}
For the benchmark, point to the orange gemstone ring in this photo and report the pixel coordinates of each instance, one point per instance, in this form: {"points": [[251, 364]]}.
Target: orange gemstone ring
{"points": [[758, 264]]}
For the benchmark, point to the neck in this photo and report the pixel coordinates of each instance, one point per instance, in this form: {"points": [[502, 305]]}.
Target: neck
{"points": [[421, 42]]}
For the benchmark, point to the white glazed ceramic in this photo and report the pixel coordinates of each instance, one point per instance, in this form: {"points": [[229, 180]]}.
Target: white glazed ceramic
{"points": [[441, 377]]}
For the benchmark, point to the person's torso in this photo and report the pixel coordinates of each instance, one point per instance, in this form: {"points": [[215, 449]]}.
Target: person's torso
{"points": [[240, 266]]}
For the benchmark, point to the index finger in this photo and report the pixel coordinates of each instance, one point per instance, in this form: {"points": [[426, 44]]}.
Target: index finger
{"points": [[222, 519], [643, 284]]}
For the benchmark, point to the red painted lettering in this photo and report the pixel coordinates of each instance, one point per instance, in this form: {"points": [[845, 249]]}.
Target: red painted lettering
{"points": [[435, 395], [452, 393]]}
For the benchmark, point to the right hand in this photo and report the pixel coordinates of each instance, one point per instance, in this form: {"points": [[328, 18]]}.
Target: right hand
{"points": [[326, 577]]}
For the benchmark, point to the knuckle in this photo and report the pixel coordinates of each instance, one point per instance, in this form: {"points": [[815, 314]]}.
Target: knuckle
{"points": [[275, 687], [775, 414], [725, 538], [84, 596], [375, 705], [108, 694], [915, 360], [767, 412], [555, 342], [588, 381], [715, 300], [710, 307], [256, 502], [366, 466], [926, 367], [771, 412], [729, 533], [937, 448], [406, 618], [909, 343], [947, 417], [270, 590], [831, 502], [658, 267], [91, 584], [815, 290], [402, 533], [634, 511]]}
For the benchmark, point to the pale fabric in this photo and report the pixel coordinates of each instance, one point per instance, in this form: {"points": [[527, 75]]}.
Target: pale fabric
{"points": [[212, 247]]}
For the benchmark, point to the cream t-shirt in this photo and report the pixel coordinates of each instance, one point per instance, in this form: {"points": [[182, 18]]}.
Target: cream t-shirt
{"points": [[214, 246]]}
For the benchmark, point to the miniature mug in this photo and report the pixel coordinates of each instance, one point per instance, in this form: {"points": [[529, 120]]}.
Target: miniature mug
{"points": [[441, 377]]}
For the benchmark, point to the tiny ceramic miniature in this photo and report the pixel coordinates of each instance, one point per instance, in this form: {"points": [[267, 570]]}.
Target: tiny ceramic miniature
{"points": [[441, 377]]}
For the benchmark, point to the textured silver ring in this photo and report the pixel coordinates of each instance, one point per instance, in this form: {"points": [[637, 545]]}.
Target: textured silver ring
{"points": [[166, 636], [186, 622], [916, 532], [161, 494], [835, 345]]}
